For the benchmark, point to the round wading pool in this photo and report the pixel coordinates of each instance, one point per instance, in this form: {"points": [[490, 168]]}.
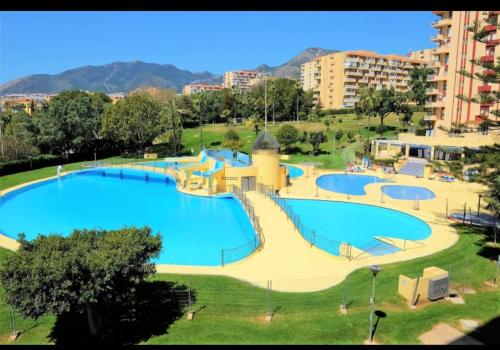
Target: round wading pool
{"points": [[408, 192]]}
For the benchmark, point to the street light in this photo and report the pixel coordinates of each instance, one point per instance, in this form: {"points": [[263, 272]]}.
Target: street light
{"points": [[374, 269], [265, 98], [1, 140]]}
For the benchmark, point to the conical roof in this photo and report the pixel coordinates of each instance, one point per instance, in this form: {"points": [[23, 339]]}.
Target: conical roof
{"points": [[265, 141]]}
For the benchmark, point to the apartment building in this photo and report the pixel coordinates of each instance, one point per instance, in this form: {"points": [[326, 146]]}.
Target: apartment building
{"points": [[309, 74], [456, 48], [240, 79], [422, 55], [194, 88], [342, 74]]}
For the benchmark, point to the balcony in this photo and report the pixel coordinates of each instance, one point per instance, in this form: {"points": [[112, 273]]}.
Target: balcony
{"points": [[486, 104], [355, 73], [484, 88], [431, 91], [431, 77], [487, 58], [441, 23], [438, 37], [364, 66], [350, 86], [490, 28], [430, 117], [493, 42], [435, 64], [349, 80], [349, 93], [442, 49]]}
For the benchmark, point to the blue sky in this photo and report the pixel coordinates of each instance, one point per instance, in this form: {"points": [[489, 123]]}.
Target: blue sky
{"points": [[51, 42]]}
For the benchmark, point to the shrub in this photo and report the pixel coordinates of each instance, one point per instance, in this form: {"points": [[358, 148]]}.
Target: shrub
{"points": [[287, 135], [315, 139], [339, 111], [232, 139]]}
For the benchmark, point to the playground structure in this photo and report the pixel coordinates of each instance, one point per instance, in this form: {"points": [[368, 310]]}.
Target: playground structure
{"points": [[217, 171]]}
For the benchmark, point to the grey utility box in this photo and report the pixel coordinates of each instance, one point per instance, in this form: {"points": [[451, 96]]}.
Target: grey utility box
{"points": [[438, 287]]}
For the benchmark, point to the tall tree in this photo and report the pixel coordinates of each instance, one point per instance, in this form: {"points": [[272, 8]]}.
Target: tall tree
{"points": [[172, 118], [134, 122], [71, 122], [488, 73], [369, 98], [419, 84]]}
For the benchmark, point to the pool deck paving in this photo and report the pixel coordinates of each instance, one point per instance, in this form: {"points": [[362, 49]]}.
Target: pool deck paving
{"points": [[293, 265], [444, 334]]}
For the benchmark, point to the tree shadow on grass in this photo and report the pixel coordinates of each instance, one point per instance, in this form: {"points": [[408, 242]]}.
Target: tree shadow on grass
{"points": [[150, 312]]}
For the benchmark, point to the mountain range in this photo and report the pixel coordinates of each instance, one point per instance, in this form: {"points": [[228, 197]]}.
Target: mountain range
{"points": [[127, 76]]}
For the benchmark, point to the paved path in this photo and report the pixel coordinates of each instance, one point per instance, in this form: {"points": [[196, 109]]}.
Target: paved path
{"points": [[444, 334]]}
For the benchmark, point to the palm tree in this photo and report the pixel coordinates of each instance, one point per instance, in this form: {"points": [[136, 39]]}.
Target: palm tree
{"points": [[369, 98], [173, 116]]}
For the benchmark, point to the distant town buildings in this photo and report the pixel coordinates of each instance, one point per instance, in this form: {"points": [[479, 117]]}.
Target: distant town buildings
{"points": [[455, 51], [117, 96], [194, 88], [240, 79], [336, 78], [31, 102]]}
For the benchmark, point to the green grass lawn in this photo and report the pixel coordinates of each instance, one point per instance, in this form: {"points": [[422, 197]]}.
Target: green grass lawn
{"points": [[232, 311], [213, 137]]}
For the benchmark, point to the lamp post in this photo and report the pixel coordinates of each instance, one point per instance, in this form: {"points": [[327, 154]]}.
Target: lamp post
{"points": [[374, 269], [1, 140], [201, 125], [265, 99]]}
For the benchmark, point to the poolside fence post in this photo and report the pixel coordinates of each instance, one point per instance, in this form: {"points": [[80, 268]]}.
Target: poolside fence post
{"points": [[465, 212], [478, 205], [470, 214], [343, 306], [222, 257], [496, 272], [269, 315]]}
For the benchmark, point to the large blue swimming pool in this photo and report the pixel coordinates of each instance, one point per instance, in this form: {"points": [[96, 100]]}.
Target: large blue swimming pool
{"points": [[194, 229], [356, 224], [347, 183], [408, 192]]}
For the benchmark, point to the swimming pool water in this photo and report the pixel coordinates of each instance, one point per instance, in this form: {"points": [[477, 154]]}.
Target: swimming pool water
{"points": [[408, 192], [294, 171], [357, 224], [162, 164], [194, 229], [347, 183]]}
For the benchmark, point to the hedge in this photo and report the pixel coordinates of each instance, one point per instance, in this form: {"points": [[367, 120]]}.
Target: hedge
{"points": [[36, 162], [338, 111]]}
